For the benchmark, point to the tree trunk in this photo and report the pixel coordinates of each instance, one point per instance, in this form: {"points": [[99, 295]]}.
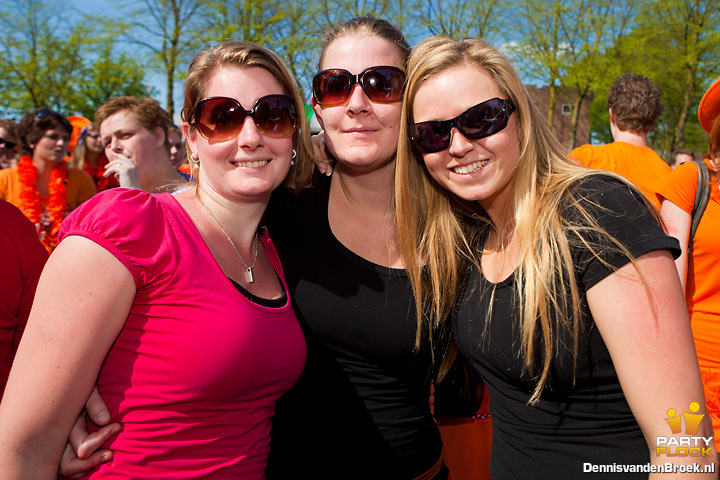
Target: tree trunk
{"points": [[552, 90], [690, 86]]}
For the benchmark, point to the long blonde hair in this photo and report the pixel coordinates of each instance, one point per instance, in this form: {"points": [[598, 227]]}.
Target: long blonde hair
{"points": [[437, 231]]}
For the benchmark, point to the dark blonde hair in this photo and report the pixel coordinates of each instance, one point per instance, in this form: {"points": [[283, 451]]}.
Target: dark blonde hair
{"points": [[243, 54], [437, 231], [367, 26]]}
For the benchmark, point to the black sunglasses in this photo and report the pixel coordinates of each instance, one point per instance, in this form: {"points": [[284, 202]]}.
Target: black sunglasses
{"points": [[479, 121], [44, 112], [380, 84], [7, 144], [221, 118]]}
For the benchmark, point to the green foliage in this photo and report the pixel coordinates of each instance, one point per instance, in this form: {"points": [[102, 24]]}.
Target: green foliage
{"points": [[168, 32], [48, 61], [677, 44], [109, 76]]}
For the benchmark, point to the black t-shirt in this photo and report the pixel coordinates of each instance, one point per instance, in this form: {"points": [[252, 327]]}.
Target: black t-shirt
{"points": [[360, 408], [588, 421]]}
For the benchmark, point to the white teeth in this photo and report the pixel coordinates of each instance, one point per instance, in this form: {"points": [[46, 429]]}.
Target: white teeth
{"points": [[251, 164], [464, 170]]}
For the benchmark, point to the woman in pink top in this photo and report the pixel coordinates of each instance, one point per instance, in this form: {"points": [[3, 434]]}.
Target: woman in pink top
{"points": [[174, 304]]}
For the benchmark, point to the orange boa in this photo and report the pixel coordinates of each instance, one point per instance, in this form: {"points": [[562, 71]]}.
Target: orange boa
{"points": [[48, 222]]}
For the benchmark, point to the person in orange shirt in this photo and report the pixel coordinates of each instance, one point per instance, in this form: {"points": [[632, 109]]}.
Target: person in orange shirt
{"points": [[635, 104], [699, 268], [42, 185]]}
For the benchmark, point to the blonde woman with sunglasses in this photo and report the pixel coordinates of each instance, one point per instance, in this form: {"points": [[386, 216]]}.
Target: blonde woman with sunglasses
{"points": [[175, 305], [564, 293]]}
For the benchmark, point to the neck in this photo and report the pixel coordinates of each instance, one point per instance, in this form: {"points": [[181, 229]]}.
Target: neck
{"points": [[637, 139], [371, 191], [156, 180], [43, 169], [239, 220]]}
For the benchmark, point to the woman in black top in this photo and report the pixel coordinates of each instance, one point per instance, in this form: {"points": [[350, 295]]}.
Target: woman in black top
{"points": [[571, 310], [360, 409]]}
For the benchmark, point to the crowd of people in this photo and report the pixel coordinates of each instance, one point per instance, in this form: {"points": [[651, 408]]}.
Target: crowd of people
{"points": [[232, 298]]}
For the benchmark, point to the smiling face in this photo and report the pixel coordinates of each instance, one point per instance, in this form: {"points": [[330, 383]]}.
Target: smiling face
{"points": [[475, 170], [361, 133], [52, 146], [251, 165]]}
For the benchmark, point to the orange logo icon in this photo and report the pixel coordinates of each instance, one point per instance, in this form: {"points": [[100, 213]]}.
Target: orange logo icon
{"points": [[692, 419]]}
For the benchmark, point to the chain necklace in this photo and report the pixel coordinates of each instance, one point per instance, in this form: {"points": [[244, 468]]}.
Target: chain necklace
{"points": [[249, 269]]}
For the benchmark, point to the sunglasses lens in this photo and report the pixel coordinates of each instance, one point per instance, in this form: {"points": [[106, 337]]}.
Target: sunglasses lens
{"points": [[430, 137], [480, 121], [276, 116], [219, 118], [331, 87], [483, 120], [383, 84]]}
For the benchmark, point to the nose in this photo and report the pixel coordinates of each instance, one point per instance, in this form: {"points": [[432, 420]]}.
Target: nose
{"points": [[459, 143], [358, 101], [250, 135], [114, 145]]}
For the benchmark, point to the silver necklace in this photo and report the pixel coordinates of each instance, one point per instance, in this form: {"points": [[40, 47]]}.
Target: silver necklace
{"points": [[249, 269]]}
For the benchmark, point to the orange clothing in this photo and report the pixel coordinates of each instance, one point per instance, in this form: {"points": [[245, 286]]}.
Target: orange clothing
{"points": [[466, 443], [78, 188], [641, 165], [703, 280]]}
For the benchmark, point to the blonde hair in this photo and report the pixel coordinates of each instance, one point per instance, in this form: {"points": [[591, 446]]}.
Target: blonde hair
{"points": [[80, 151], [437, 231], [242, 54]]}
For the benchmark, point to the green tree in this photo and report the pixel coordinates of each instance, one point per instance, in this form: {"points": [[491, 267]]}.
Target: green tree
{"points": [[540, 33], [678, 44], [38, 67], [110, 75], [600, 25], [287, 28], [565, 44], [460, 18], [49, 61], [166, 29]]}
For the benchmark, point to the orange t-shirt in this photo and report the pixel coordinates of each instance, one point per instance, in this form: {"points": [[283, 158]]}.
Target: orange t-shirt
{"points": [[703, 280], [641, 165], [79, 187]]}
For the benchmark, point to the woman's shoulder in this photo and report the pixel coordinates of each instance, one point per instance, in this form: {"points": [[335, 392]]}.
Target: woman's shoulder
{"points": [[603, 193], [131, 224], [118, 208]]}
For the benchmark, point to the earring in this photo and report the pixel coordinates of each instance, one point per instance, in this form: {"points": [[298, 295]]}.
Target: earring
{"points": [[195, 158], [292, 158]]}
